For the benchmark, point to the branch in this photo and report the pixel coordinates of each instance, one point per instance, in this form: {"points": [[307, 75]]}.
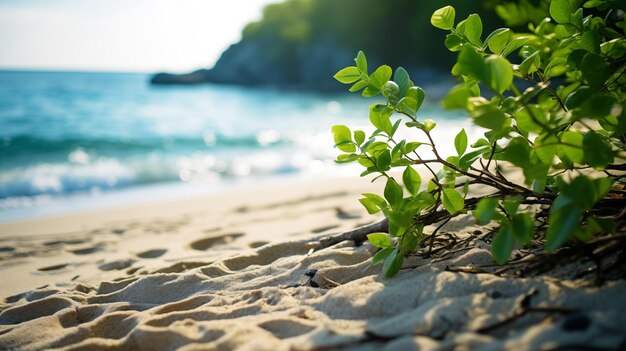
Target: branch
{"points": [[359, 235], [617, 167]]}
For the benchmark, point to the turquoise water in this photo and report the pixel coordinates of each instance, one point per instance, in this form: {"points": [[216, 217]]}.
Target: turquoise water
{"points": [[66, 136]]}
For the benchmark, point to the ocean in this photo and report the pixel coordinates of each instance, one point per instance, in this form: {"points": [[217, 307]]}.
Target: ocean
{"points": [[75, 141]]}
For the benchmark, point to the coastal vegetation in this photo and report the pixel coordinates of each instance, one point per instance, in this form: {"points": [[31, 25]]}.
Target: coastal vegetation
{"points": [[550, 98]]}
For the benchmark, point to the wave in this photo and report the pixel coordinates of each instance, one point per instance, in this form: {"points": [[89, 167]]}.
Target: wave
{"points": [[17, 146], [87, 174]]}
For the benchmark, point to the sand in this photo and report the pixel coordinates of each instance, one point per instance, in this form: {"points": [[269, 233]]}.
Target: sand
{"points": [[241, 271]]}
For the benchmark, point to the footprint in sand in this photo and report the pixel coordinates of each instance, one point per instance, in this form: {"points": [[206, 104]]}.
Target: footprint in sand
{"points": [[342, 214], [323, 229], [284, 329], [86, 251], [206, 243], [154, 253], [256, 244], [64, 242], [116, 265], [52, 268]]}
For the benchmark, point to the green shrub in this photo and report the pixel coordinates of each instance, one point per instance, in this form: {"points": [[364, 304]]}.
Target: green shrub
{"points": [[565, 131]]}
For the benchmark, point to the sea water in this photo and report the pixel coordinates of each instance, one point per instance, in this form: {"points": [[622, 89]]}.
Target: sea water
{"points": [[72, 141]]}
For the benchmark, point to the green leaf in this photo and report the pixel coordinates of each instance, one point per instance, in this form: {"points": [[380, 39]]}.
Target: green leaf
{"points": [[517, 152], [502, 244], [383, 161], [380, 77], [370, 91], [412, 146], [560, 10], [488, 115], [590, 40], [468, 159], [348, 75], [393, 192], [579, 96], [556, 67], [429, 125], [563, 219], [523, 228], [452, 201], [401, 77], [593, 3], [530, 64], [361, 62], [398, 223], [594, 69], [407, 105], [341, 134], [359, 137], [471, 64], [393, 264], [343, 138], [545, 147], [409, 242], [582, 192], [453, 42], [347, 158], [380, 240], [376, 147], [571, 146], [358, 86], [396, 152], [416, 93], [369, 205], [514, 45], [382, 255], [460, 27], [596, 107], [346, 146], [498, 39], [601, 188], [460, 142], [412, 180], [577, 18], [500, 73], [602, 225], [597, 151], [457, 97], [474, 29], [379, 117], [528, 118], [443, 18], [485, 210], [511, 204], [379, 201], [365, 162]]}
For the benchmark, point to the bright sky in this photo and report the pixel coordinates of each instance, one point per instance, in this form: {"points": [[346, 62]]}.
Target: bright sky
{"points": [[121, 35]]}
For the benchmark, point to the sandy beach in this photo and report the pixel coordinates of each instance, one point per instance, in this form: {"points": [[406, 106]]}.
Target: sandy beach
{"points": [[244, 270]]}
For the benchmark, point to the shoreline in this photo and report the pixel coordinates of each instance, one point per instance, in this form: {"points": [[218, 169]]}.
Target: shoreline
{"points": [[241, 270], [146, 194]]}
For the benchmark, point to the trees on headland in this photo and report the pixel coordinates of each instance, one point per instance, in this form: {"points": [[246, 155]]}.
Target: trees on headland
{"points": [[301, 43]]}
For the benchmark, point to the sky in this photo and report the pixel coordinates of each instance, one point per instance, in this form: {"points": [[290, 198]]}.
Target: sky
{"points": [[121, 35]]}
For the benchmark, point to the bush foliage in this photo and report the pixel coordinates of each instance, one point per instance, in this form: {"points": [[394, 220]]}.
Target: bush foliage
{"points": [[552, 103]]}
